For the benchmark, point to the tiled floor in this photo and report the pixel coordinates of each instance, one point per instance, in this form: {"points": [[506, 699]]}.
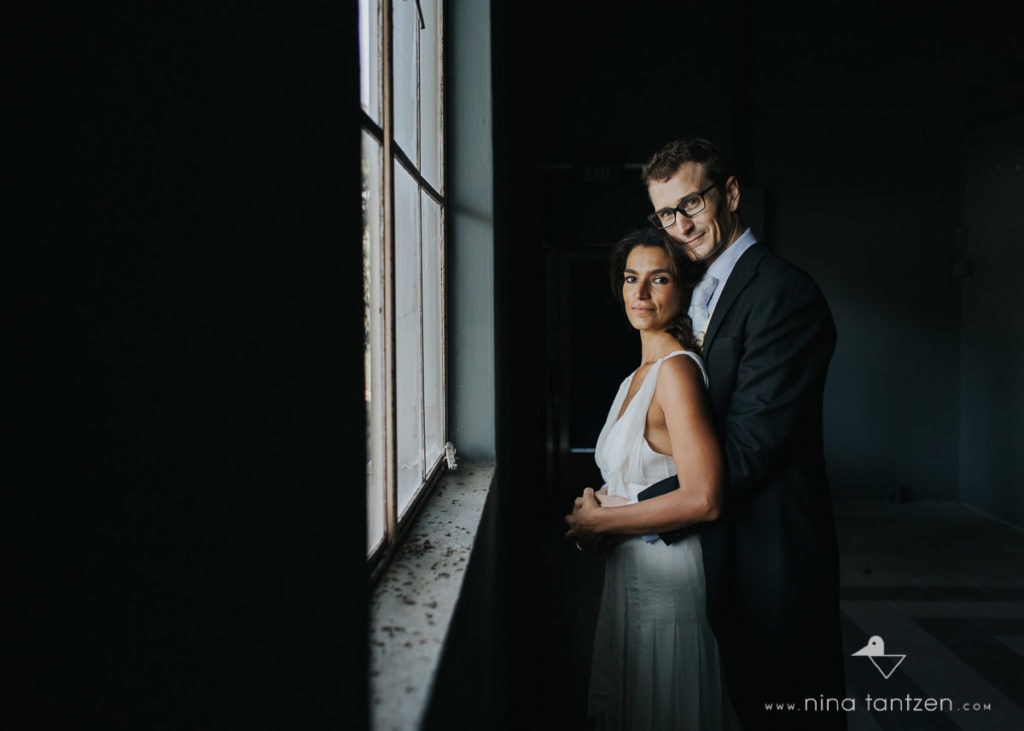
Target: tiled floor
{"points": [[942, 584]]}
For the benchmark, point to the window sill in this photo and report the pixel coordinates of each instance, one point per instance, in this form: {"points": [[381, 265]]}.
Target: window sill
{"points": [[413, 604]]}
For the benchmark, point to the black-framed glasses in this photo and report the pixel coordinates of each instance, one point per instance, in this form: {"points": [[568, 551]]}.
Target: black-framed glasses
{"points": [[689, 206]]}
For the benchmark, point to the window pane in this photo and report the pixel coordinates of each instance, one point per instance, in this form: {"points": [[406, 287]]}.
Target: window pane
{"points": [[369, 57], [373, 345], [431, 120], [403, 264], [433, 330], [406, 24], [408, 373]]}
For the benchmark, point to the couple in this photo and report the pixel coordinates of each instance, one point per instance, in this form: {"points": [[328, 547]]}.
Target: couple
{"points": [[710, 627]]}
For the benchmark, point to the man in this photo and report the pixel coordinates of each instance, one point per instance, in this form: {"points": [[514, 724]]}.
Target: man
{"points": [[771, 561]]}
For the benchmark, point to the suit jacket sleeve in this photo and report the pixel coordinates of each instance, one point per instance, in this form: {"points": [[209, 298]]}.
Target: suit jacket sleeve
{"points": [[772, 422]]}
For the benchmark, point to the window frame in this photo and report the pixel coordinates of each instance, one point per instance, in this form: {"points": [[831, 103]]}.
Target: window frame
{"points": [[381, 337]]}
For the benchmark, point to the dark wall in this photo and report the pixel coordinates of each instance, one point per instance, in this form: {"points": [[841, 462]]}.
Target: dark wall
{"points": [[992, 347], [870, 206], [183, 532]]}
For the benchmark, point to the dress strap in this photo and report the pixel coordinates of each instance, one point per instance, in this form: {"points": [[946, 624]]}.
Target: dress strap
{"points": [[695, 358]]}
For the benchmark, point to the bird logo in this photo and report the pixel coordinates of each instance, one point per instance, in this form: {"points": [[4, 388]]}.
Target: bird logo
{"points": [[875, 652]]}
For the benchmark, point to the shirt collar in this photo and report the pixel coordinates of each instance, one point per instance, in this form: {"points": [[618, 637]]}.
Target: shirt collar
{"points": [[722, 267]]}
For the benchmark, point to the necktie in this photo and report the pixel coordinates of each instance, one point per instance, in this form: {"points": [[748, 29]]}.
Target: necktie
{"points": [[699, 305]]}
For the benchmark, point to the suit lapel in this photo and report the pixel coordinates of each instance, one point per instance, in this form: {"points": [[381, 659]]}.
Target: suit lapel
{"points": [[744, 271]]}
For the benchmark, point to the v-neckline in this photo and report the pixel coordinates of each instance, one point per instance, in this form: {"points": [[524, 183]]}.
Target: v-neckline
{"points": [[626, 404]]}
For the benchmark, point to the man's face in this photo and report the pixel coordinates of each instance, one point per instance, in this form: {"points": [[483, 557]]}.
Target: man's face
{"points": [[705, 235]]}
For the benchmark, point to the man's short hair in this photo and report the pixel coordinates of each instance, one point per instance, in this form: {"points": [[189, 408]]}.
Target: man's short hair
{"points": [[666, 161]]}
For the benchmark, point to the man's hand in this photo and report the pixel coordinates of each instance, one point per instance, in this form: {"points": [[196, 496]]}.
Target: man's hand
{"points": [[581, 521]]}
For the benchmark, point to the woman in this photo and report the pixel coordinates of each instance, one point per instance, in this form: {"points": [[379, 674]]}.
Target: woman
{"points": [[655, 662]]}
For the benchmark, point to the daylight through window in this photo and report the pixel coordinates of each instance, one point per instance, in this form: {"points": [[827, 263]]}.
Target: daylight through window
{"points": [[403, 257]]}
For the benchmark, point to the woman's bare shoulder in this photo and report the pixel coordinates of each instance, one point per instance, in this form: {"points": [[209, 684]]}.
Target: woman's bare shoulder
{"points": [[682, 364]]}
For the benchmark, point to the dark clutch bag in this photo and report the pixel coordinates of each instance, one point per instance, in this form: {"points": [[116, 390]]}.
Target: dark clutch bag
{"points": [[660, 488]]}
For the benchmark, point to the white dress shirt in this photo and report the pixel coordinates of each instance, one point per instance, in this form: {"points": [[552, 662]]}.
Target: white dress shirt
{"points": [[722, 267]]}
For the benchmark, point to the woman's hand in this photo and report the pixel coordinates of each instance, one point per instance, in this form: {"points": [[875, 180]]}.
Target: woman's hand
{"points": [[609, 501]]}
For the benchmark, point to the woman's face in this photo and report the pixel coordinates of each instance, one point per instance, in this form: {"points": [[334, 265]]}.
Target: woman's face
{"points": [[652, 296]]}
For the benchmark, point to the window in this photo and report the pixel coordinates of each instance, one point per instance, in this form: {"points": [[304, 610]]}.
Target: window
{"points": [[403, 258]]}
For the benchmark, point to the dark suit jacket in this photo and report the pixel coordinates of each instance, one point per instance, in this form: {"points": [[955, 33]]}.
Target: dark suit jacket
{"points": [[771, 561]]}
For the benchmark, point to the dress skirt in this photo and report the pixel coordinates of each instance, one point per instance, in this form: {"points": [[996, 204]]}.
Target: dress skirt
{"points": [[655, 662]]}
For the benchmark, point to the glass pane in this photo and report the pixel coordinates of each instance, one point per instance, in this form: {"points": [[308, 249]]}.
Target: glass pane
{"points": [[369, 57], [433, 331], [406, 22], [373, 343], [408, 378], [431, 121]]}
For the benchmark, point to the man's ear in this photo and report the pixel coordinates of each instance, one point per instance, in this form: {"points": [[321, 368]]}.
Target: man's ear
{"points": [[732, 193]]}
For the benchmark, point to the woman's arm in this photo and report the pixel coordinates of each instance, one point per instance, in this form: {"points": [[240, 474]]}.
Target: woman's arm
{"points": [[679, 423]]}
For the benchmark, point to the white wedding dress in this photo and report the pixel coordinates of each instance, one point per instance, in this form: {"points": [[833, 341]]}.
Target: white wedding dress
{"points": [[655, 662]]}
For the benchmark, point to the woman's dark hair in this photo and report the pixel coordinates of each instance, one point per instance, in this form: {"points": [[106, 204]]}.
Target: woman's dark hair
{"points": [[685, 271]]}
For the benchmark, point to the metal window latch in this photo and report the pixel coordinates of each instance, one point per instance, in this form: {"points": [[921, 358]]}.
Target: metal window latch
{"points": [[419, 11]]}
